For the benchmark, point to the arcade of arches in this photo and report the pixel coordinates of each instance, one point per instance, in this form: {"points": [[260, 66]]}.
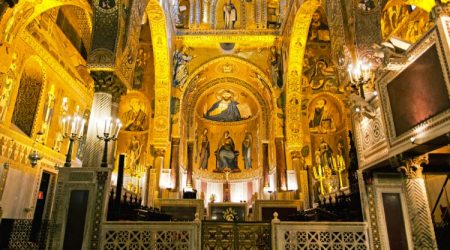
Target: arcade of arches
{"points": [[229, 110]]}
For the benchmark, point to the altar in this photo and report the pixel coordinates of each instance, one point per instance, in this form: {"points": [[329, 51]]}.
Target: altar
{"points": [[228, 211]]}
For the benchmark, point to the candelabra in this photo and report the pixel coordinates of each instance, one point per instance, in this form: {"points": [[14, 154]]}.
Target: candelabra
{"points": [[319, 176], [109, 133], [360, 74], [73, 128], [339, 167]]}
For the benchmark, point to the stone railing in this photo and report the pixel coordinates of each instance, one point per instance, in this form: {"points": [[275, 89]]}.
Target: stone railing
{"points": [[235, 235], [319, 235], [150, 235]]}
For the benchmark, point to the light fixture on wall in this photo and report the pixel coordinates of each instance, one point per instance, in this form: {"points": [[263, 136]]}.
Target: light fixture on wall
{"points": [[34, 155], [360, 74], [73, 128], [107, 130]]}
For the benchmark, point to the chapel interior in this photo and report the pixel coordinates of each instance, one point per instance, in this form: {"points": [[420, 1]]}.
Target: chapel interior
{"points": [[224, 124]]}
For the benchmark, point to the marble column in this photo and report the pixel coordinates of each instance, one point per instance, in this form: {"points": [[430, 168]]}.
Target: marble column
{"points": [[174, 162], [281, 164], [190, 152], [161, 177], [298, 164], [147, 187], [418, 206], [265, 150], [106, 97]]}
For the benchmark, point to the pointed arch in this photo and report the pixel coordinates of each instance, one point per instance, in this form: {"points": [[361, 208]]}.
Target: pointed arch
{"points": [[260, 83], [229, 58], [17, 18], [294, 133], [29, 92], [158, 25]]}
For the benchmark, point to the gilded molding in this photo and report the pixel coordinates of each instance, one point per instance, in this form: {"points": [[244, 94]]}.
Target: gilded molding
{"points": [[15, 20], [294, 134], [163, 77], [261, 38], [16, 147], [246, 174], [84, 91]]}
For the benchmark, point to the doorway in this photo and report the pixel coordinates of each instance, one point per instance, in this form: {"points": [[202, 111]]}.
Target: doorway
{"points": [[36, 225]]}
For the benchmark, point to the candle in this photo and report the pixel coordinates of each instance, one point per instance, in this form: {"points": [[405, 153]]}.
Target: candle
{"points": [[117, 130], [64, 125], [82, 127], [96, 126], [72, 129], [76, 122], [67, 124], [106, 122]]}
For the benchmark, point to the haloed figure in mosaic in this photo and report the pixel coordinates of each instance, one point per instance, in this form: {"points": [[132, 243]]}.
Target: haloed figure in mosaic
{"points": [[225, 109], [135, 118], [226, 154], [180, 70], [247, 150], [204, 151], [229, 15]]}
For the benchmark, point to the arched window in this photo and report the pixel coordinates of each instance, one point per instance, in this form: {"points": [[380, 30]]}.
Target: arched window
{"points": [[27, 101]]}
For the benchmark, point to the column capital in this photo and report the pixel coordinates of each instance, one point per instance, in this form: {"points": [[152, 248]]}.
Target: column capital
{"points": [[296, 154], [176, 140], [298, 160], [412, 168], [107, 82], [160, 152]]}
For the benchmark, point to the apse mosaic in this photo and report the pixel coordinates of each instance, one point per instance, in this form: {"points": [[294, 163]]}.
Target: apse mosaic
{"points": [[227, 128]]}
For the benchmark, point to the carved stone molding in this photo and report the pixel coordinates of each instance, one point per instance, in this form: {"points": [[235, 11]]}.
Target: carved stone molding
{"points": [[158, 24], [412, 167], [441, 10]]}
